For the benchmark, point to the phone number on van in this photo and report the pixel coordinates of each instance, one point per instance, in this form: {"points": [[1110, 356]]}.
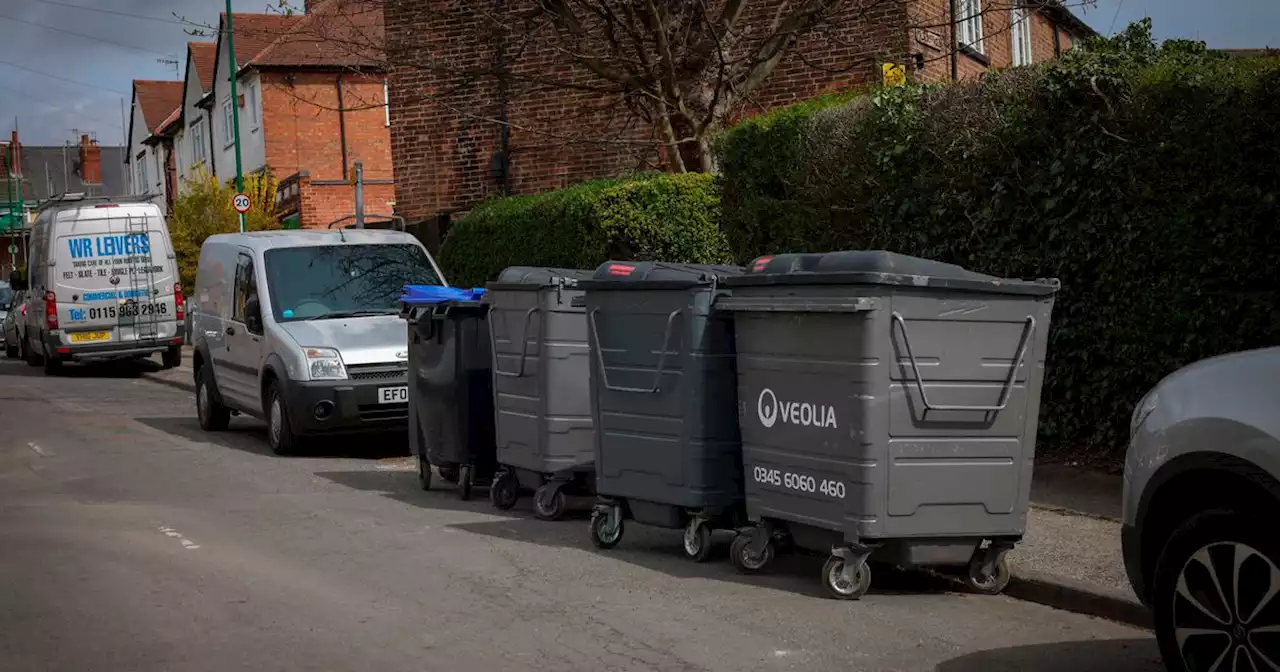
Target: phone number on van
{"points": [[799, 482], [128, 310]]}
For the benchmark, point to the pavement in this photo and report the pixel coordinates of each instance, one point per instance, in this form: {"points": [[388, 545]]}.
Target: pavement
{"points": [[1070, 557], [132, 540]]}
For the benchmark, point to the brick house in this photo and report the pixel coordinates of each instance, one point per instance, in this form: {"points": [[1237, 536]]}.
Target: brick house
{"points": [[308, 109], [449, 153]]}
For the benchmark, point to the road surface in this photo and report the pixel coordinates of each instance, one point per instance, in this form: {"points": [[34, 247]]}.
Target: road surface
{"points": [[131, 541]]}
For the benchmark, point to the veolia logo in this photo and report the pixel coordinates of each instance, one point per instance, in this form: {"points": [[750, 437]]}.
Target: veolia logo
{"points": [[770, 410]]}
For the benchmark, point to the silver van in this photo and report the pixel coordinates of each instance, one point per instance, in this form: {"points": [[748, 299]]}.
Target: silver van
{"points": [[103, 283], [302, 330]]}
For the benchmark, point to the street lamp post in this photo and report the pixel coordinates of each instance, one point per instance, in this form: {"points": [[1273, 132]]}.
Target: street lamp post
{"points": [[235, 105]]}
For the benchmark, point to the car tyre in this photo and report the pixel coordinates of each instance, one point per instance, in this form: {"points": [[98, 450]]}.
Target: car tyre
{"points": [[1215, 589], [213, 416], [52, 365], [279, 433], [29, 355], [171, 358], [10, 351]]}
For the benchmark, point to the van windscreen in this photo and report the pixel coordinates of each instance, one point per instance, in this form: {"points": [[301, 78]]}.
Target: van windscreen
{"points": [[316, 282]]}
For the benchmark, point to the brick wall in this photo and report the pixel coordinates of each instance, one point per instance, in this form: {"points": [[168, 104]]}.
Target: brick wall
{"points": [[303, 132], [445, 142], [322, 203], [931, 37], [445, 111]]}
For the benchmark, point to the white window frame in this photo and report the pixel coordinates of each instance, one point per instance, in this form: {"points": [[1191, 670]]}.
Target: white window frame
{"points": [[251, 101], [1020, 33], [228, 109], [969, 24], [143, 186], [386, 103], [198, 148]]}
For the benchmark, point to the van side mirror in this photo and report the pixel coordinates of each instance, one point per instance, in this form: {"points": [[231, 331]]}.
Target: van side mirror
{"points": [[253, 315]]}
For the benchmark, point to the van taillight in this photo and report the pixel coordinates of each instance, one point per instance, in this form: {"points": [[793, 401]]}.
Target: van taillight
{"points": [[179, 305], [51, 310]]}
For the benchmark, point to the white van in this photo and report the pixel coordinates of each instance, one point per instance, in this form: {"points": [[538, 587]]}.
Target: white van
{"points": [[103, 283], [302, 329]]}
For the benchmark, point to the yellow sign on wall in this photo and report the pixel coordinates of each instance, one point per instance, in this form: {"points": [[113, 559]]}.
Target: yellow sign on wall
{"points": [[894, 74]]}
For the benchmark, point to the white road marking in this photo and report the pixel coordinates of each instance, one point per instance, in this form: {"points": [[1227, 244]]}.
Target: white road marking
{"points": [[39, 451], [186, 543]]}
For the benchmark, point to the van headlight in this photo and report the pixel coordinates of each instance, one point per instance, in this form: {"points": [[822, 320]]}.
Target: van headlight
{"points": [[325, 364]]}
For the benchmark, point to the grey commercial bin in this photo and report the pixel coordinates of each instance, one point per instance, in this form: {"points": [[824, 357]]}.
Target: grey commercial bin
{"points": [[541, 388], [889, 410], [450, 386], [662, 382]]}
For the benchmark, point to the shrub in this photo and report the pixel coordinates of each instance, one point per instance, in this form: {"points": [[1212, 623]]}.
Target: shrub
{"points": [[203, 208], [668, 217], [1145, 177]]}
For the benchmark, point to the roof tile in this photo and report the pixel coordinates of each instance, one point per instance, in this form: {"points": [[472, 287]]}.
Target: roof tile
{"points": [[202, 55], [158, 99]]}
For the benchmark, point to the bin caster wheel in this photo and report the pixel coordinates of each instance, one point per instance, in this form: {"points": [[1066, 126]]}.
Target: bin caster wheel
{"points": [[503, 493], [448, 472], [744, 560], [424, 473], [985, 583], [697, 540], [464, 482], [839, 586], [602, 535], [548, 502]]}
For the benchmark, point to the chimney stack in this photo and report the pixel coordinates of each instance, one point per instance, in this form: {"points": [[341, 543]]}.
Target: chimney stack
{"points": [[90, 161], [15, 156]]}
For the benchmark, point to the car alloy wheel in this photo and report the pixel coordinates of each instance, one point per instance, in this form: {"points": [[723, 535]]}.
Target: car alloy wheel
{"points": [[1226, 609]]}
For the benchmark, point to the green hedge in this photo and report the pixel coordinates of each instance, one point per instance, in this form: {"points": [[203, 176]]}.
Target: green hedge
{"points": [[1145, 177], [652, 216]]}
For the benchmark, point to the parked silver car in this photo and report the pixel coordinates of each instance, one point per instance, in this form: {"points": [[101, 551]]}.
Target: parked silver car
{"points": [[1201, 497]]}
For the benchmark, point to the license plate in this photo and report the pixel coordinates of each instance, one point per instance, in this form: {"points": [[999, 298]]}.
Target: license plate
{"points": [[393, 395], [90, 336]]}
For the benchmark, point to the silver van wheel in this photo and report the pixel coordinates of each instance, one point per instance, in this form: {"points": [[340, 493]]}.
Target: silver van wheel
{"points": [[1221, 618], [202, 402], [275, 423]]}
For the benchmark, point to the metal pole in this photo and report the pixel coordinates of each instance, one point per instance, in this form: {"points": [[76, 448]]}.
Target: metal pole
{"points": [[235, 105], [359, 195]]}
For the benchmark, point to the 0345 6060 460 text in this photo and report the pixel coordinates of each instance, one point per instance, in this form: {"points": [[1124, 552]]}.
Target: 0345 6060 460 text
{"points": [[799, 482]]}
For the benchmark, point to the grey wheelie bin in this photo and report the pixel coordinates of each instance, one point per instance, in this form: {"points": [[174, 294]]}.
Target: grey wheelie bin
{"points": [[541, 388], [889, 411], [662, 385], [450, 386]]}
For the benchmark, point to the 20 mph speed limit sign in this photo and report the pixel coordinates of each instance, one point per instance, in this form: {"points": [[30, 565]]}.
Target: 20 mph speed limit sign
{"points": [[241, 203]]}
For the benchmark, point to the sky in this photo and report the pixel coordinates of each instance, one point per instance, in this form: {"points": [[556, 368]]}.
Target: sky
{"points": [[52, 81]]}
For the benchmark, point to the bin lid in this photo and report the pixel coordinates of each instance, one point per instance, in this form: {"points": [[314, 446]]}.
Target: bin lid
{"points": [[429, 294], [863, 267], [658, 275], [533, 278]]}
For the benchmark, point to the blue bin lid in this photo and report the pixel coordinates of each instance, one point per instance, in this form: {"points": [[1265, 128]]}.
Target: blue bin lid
{"points": [[430, 294]]}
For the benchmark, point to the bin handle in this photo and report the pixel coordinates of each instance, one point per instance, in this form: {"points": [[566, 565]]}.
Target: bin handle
{"points": [[1028, 328], [524, 345], [662, 358]]}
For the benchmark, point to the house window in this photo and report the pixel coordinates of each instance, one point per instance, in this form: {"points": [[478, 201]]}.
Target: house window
{"points": [[1020, 20], [140, 183], [386, 103], [198, 153], [251, 99], [228, 121], [969, 24]]}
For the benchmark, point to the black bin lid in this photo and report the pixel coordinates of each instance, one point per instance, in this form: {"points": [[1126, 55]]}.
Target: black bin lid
{"points": [[533, 278], [863, 267], [658, 275]]}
